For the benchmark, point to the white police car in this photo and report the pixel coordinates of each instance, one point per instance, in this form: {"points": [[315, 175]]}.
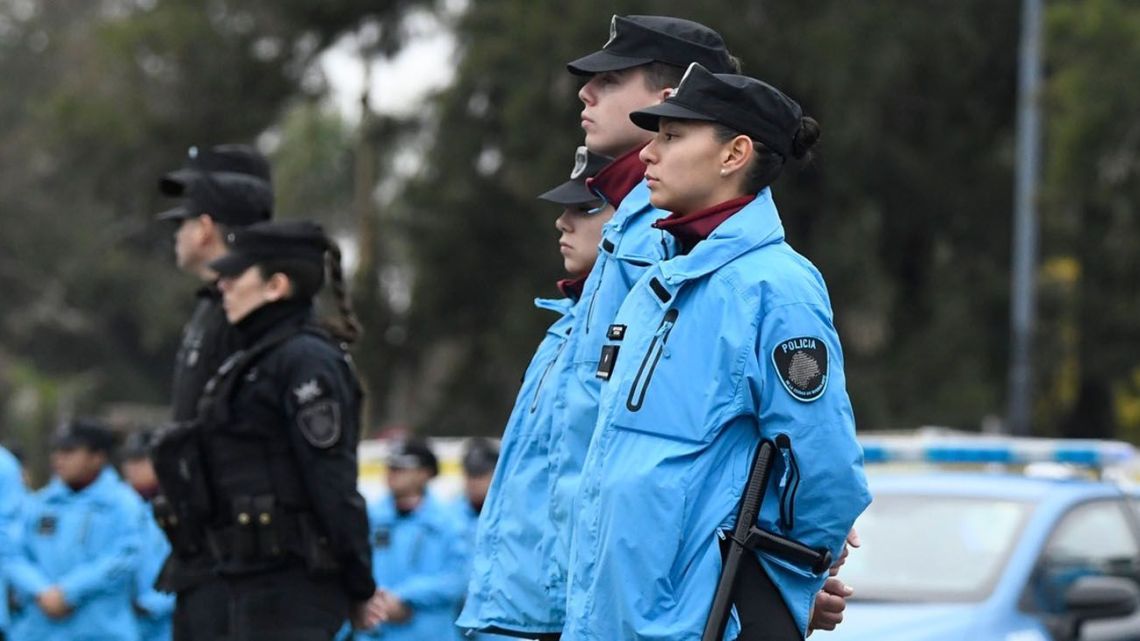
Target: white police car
{"points": [[952, 555]]}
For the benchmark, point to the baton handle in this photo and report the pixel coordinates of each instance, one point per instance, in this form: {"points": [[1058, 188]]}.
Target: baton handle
{"points": [[749, 509]]}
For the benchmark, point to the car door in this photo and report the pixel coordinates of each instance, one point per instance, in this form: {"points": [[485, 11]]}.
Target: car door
{"points": [[1094, 538]]}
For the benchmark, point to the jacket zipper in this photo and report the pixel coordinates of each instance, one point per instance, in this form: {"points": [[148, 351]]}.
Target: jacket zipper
{"points": [[542, 379], [594, 295], [656, 348]]}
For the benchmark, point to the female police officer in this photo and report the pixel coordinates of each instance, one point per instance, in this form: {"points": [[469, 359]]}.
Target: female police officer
{"points": [[287, 527], [727, 343], [508, 590]]}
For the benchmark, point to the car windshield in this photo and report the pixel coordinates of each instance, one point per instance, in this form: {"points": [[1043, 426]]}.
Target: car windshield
{"points": [[932, 548]]}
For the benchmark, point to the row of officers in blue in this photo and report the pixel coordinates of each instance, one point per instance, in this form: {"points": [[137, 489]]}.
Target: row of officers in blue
{"points": [[81, 555]]}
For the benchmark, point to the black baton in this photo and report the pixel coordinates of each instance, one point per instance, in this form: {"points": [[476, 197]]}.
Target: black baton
{"points": [[746, 537]]}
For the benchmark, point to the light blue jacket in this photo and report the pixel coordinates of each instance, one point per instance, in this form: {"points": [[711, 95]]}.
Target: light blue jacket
{"points": [[507, 590], [629, 246], [154, 609], [697, 382], [421, 558], [12, 497], [469, 520], [86, 543]]}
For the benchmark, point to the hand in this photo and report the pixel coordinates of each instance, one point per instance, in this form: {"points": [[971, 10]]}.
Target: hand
{"points": [[53, 604], [827, 612], [368, 614], [395, 610], [853, 541]]}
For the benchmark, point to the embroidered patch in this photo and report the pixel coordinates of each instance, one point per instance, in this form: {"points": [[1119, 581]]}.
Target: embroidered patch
{"points": [[320, 423], [308, 391], [802, 366], [47, 525], [382, 538]]}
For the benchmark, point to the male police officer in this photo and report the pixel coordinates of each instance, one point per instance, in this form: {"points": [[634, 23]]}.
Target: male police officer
{"points": [[222, 187], [153, 608], [419, 552], [75, 561]]}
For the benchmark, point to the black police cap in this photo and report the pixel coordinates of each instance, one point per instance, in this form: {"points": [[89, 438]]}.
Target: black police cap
{"points": [[574, 191], [413, 454], [480, 457], [746, 105], [241, 160], [83, 432], [231, 183], [639, 40], [293, 240]]}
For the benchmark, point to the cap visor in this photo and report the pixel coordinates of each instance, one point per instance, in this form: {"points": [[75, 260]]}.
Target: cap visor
{"points": [[232, 264], [651, 117], [571, 192], [603, 60], [176, 182], [179, 213]]}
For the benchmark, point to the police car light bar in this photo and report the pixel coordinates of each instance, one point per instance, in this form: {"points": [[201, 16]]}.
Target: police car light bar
{"points": [[995, 450]]}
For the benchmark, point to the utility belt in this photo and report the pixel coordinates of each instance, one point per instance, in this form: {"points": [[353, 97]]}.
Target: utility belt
{"points": [[260, 533]]}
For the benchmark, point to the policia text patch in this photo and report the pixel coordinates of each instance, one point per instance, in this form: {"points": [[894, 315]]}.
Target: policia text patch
{"points": [[801, 364]]}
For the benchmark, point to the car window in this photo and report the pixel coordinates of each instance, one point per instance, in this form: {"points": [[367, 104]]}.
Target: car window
{"points": [[963, 545], [1093, 539]]}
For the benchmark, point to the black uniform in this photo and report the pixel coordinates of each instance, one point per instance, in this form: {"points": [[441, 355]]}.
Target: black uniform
{"points": [[207, 339], [232, 184], [289, 529]]}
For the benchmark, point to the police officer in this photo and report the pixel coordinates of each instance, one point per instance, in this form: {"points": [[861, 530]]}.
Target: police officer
{"points": [[729, 342], [75, 560], [153, 608], [12, 496], [419, 551], [222, 188], [512, 590], [278, 429]]}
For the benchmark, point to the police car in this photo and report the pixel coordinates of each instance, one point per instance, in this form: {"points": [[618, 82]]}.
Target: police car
{"points": [[957, 554]]}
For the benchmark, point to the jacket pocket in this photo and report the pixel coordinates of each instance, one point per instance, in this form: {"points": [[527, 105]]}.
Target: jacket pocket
{"points": [[545, 374], [644, 376]]}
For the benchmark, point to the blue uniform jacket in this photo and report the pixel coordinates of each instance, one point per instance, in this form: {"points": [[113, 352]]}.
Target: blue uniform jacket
{"points": [[155, 609], [629, 246], [86, 543], [468, 519], [705, 369], [507, 589], [421, 558], [12, 498]]}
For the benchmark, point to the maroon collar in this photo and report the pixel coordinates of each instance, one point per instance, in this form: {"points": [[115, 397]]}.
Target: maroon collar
{"points": [[572, 287], [618, 178], [691, 229]]}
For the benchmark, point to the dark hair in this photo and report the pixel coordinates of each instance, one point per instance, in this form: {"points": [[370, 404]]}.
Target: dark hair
{"points": [[307, 278], [662, 75], [767, 164]]}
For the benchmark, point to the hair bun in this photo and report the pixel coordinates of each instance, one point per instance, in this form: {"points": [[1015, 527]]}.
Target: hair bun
{"points": [[806, 137]]}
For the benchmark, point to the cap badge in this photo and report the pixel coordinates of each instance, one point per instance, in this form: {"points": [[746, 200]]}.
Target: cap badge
{"points": [[581, 159], [308, 391], [613, 31]]}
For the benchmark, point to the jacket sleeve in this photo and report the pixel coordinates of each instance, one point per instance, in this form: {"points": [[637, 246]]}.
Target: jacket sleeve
{"points": [[115, 566], [23, 574], [154, 551], [447, 585], [800, 391], [322, 411]]}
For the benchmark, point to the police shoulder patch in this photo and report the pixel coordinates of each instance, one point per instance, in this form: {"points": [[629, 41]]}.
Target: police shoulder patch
{"points": [[801, 364], [320, 423]]}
